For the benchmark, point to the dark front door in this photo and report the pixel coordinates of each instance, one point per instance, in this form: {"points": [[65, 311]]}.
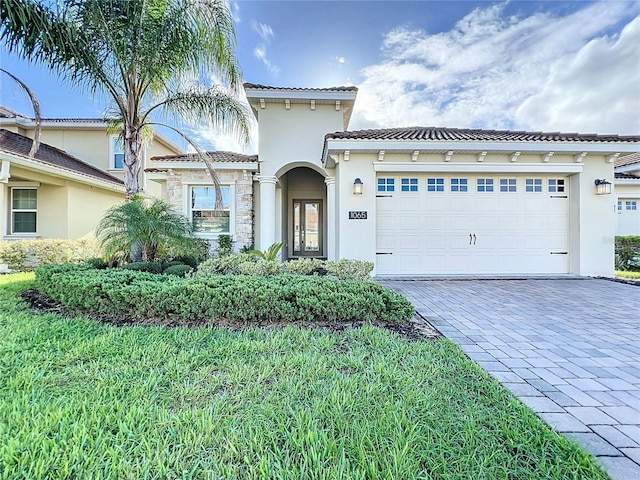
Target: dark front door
{"points": [[307, 228]]}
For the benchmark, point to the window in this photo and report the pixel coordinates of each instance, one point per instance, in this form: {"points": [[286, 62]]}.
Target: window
{"points": [[24, 210], [533, 185], [459, 184], [630, 205], [619, 205], [484, 184], [435, 184], [556, 185], [386, 184], [508, 185], [117, 153], [203, 215], [409, 184]]}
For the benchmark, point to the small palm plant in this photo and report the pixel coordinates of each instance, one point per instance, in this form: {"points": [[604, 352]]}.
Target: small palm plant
{"points": [[270, 253], [150, 229]]}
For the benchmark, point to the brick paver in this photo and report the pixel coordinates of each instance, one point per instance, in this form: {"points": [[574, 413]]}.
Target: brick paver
{"points": [[568, 348]]}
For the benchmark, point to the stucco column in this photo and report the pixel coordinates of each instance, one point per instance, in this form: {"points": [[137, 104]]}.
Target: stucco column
{"points": [[267, 211], [331, 217], [4, 215]]}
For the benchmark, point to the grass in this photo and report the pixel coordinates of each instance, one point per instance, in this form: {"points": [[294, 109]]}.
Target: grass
{"points": [[625, 274], [83, 400]]}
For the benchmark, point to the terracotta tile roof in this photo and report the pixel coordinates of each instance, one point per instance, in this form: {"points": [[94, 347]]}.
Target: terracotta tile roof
{"points": [[626, 176], [628, 160], [46, 154], [450, 134], [219, 156], [298, 89]]}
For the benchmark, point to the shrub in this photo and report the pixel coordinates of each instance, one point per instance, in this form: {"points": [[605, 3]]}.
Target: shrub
{"points": [[627, 251], [96, 263], [264, 268], [225, 245], [151, 267], [217, 297], [346, 269], [228, 265], [304, 266], [177, 270], [28, 254]]}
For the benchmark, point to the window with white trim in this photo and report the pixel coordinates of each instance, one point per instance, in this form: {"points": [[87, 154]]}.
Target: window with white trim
{"points": [[204, 216], [556, 185], [117, 153], [533, 185], [459, 184], [24, 210], [484, 184], [508, 185], [386, 184], [630, 205], [435, 184], [619, 205], [409, 184]]}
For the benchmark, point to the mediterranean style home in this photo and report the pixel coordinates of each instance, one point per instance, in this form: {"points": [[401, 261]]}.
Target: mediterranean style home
{"points": [[75, 176], [415, 201], [627, 191]]}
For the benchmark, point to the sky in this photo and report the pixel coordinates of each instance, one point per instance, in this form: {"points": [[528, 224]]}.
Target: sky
{"points": [[568, 66]]}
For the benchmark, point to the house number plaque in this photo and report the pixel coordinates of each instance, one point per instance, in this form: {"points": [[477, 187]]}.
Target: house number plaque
{"points": [[357, 215]]}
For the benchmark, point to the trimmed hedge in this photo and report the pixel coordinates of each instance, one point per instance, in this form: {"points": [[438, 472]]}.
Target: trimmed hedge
{"points": [[27, 254], [179, 270], [219, 298], [628, 252]]}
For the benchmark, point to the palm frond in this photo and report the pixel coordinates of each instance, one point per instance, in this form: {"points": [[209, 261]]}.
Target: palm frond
{"points": [[36, 111]]}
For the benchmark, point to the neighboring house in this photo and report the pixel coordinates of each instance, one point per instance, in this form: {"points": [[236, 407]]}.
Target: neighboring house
{"points": [[627, 194], [75, 176], [89, 140], [53, 195]]}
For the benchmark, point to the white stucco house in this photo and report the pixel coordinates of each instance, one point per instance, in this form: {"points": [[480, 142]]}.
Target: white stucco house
{"points": [[627, 194], [414, 201]]}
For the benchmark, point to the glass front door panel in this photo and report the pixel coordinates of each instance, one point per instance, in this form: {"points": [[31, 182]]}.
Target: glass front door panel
{"points": [[312, 227], [307, 228]]}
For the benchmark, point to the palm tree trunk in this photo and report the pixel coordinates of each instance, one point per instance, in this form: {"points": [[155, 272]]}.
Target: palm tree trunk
{"points": [[132, 153]]}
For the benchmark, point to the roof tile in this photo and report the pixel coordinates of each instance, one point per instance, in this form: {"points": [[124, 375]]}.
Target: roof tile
{"points": [[219, 156], [299, 89], [628, 160]]}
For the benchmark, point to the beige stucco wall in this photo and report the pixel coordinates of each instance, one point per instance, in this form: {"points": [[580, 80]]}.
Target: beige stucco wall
{"points": [[241, 217]]}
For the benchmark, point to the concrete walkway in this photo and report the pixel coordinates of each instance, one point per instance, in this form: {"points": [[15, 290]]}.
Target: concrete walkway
{"points": [[568, 348]]}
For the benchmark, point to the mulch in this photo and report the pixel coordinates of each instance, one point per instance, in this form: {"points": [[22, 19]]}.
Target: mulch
{"points": [[416, 329]]}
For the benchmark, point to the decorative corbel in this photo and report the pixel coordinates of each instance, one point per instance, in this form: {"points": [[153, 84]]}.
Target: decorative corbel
{"points": [[580, 157], [612, 158], [547, 157], [346, 154], [313, 104], [481, 156], [448, 156], [381, 156], [514, 156], [287, 104], [337, 105], [263, 104], [414, 156]]}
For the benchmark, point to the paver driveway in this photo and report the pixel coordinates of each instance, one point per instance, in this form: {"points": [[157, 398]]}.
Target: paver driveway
{"points": [[568, 348]]}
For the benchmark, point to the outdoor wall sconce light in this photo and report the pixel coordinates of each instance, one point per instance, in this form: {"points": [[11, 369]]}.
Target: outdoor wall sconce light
{"points": [[357, 187], [603, 187]]}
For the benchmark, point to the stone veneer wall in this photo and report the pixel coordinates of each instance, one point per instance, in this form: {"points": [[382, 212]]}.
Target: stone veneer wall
{"points": [[242, 181]]}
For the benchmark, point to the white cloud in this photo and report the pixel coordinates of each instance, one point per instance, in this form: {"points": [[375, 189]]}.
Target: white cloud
{"points": [[541, 72], [340, 59], [260, 52]]}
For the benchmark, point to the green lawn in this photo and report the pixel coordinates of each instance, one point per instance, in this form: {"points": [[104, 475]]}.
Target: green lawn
{"points": [[83, 400]]}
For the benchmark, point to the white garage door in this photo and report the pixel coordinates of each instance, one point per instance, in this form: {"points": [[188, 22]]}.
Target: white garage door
{"points": [[462, 224]]}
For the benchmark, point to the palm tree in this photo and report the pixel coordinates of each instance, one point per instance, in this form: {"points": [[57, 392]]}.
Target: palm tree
{"points": [[152, 229], [154, 59]]}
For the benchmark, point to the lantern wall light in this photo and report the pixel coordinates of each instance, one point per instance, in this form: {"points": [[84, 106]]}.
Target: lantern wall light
{"points": [[603, 187], [357, 187]]}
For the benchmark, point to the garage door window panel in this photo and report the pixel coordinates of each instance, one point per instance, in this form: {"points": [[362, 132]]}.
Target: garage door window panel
{"points": [[386, 185], [409, 184], [484, 185], [435, 184], [631, 205], [556, 185], [533, 185], [508, 185], [459, 184]]}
